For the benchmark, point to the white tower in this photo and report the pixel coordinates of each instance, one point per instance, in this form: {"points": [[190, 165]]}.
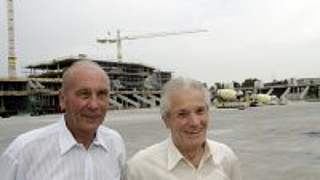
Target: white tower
{"points": [[12, 73]]}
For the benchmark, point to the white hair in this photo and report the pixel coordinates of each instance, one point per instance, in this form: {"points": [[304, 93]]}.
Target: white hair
{"points": [[177, 84]]}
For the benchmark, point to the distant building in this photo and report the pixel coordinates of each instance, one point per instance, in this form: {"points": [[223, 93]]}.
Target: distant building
{"points": [[308, 81]]}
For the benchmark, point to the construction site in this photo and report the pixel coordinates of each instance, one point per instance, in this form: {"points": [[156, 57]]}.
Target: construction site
{"points": [[133, 86], [273, 127]]}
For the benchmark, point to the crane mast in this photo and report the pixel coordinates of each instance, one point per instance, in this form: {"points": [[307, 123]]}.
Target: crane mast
{"points": [[118, 39], [12, 73]]}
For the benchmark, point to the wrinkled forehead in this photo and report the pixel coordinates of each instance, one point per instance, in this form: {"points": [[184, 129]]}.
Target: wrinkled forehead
{"points": [[184, 92], [83, 68], [83, 72], [186, 103], [186, 96]]}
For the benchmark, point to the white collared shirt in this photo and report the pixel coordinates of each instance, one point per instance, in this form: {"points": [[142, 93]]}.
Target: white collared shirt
{"points": [[52, 152], [164, 162]]}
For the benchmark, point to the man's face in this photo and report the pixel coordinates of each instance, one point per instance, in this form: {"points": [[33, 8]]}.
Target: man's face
{"points": [[85, 99], [188, 119]]}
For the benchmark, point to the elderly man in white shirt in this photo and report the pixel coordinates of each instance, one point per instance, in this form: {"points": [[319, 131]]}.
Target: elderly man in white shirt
{"points": [[77, 147], [187, 154]]}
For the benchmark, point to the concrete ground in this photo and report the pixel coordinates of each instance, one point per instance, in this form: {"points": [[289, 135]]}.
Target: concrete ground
{"points": [[272, 142]]}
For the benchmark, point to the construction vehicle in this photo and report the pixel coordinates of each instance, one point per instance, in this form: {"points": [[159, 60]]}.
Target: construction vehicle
{"points": [[230, 98], [263, 99]]}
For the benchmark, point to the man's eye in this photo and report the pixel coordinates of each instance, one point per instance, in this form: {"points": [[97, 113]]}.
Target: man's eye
{"points": [[83, 94], [183, 114], [201, 110], [103, 94]]}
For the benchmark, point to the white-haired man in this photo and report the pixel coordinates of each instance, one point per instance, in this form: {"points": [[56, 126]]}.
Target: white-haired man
{"points": [[187, 154]]}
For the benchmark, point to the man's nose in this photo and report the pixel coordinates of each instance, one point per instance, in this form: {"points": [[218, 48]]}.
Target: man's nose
{"points": [[93, 102], [194, 118]]}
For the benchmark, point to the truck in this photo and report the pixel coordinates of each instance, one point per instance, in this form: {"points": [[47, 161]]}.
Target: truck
{"points": [[230, 98]]}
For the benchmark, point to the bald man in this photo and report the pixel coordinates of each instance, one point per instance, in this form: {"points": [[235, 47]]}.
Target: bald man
{"points": [[78, 146]]}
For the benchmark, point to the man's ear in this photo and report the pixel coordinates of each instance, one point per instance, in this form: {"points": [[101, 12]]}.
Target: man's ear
{"points": [[62, 101], [166, 121]]}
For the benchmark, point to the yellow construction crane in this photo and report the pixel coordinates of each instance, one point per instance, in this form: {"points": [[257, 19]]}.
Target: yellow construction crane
{"points": [[11, 41], [118, 39]]}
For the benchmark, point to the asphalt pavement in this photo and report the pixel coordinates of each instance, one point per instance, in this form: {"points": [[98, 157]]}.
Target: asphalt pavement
{"points": [[272, 142]]}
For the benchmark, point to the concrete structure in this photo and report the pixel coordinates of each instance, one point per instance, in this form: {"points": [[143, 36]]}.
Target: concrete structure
{"points": [[133, 86], [292, 89]]}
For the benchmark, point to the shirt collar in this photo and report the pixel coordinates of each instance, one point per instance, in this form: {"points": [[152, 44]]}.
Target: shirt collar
{"points": [[208, 153], [98, 140], [174, 155], [67, 141]]}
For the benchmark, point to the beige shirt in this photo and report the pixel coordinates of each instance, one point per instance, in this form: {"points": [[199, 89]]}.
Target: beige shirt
{"points": [[164, 162]]}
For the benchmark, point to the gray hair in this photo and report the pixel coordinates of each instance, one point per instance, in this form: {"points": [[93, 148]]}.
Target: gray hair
{"points": [[179, 84], [69, 71]]}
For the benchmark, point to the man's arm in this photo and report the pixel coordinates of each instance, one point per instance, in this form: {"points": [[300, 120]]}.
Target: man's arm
{"points": [[8, 167]]}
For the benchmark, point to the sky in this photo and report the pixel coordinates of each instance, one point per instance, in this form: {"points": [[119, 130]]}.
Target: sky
{"points": [[268, 40]]}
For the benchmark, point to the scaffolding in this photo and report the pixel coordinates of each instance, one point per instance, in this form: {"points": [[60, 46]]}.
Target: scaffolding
{"points": [[133, 85]]}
